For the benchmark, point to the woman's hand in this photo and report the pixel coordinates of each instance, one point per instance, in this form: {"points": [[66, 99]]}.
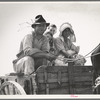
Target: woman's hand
{"points": [[70, 53]]}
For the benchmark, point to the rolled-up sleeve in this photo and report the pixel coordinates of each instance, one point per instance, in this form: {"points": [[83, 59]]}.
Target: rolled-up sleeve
{"points": [[73, 47], [59, 44], [27, 42]]}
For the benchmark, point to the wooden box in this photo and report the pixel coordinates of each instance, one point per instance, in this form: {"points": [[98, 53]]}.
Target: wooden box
{"points": [[64, 80]]}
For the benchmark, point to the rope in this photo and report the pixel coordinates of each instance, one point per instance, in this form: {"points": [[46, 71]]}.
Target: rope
{"points": [[72, 60], [93, 55], [92, 50], [86, 56]]}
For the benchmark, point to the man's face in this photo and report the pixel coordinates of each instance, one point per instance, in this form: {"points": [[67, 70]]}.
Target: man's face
{"points": [[53, 30], [40, 28]]}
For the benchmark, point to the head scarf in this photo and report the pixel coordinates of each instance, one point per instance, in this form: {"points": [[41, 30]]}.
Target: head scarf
{"points": [[67, 25]]}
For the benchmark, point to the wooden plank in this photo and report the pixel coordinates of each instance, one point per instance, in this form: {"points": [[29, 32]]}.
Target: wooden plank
{"points": [[82, 79], [59, 77], [11, 78], [52, 69], [52, 79], [33, 81], [85, 83], [52, 86], [71, 78], [83, 74], [83, 90], [8, 90], [63, 68], [46, 82], [14, 90], [63, 90], [57, 68], [83, 69]]}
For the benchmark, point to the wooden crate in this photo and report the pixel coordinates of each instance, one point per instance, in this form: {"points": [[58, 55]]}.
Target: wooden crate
{"points": [[64, 80], [56, 80]]}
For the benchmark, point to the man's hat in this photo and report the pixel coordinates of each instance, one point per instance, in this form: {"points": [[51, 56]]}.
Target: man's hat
{"points": [[39, 20]]}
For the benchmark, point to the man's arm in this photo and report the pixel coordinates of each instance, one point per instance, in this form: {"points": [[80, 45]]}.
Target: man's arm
{"points": [[35, 52], [46, 55]]}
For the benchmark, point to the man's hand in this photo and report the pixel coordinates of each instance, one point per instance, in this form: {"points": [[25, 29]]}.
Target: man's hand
{"points": [[51, 56], [52, 49]]}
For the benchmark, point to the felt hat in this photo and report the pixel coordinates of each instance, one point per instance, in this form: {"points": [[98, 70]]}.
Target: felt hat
{"points": [[39, 20]]}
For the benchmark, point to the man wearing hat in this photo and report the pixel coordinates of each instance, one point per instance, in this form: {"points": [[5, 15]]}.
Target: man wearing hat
{"points": [[34, 49], [65, 47]]}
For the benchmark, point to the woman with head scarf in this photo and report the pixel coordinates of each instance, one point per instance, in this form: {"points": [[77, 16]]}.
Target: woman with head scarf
{"points": [[65, 47]]}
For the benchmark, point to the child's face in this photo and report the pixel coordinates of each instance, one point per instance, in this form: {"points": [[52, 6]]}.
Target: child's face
{"points": [[53, 30], [48, 36]]}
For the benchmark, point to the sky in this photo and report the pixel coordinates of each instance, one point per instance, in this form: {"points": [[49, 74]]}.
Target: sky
{"points": [[17, 17]]}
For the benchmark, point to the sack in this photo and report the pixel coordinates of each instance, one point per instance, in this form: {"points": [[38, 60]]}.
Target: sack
{"points": [[60, 61], [80, 60]]}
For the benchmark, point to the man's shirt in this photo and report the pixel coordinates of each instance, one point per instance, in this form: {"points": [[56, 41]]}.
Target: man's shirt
{"points": [[30, 44]]}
